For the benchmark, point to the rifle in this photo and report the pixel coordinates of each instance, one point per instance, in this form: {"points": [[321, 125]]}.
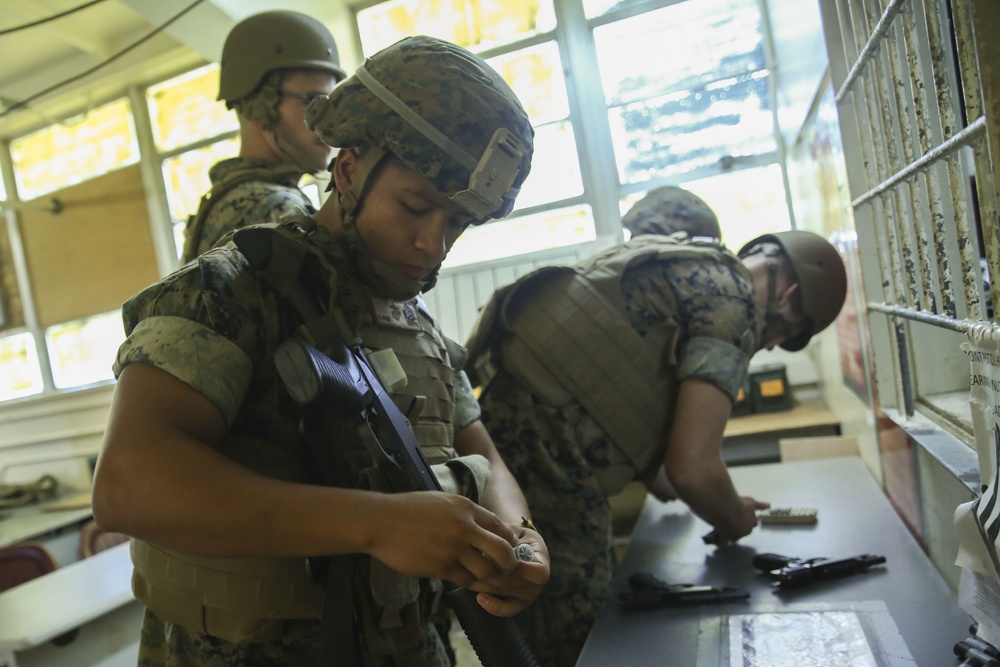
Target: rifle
{"points": [[791, 572], [648, 592], [345, 380]]}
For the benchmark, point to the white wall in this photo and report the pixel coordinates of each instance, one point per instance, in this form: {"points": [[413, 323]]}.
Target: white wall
{"points": [[55, 435]]}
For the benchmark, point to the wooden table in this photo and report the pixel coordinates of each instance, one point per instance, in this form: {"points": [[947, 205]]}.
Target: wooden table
{"points": [[907, 605]]}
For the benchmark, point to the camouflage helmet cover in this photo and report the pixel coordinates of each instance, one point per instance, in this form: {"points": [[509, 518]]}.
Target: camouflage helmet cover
{"points": [[440, 109], [269, 41], [671, 209], [820, 274]]}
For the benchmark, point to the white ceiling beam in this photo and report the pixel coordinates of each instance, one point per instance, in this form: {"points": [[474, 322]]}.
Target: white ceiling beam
{"points": [[28, 11], [203, 29], [215, 18]]}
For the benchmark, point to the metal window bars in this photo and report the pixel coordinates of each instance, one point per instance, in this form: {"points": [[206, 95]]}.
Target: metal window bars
{"points": [[922, 89]]}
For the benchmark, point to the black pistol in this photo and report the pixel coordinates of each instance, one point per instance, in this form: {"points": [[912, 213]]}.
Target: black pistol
{"points": [[793, 572], [648, 592]]}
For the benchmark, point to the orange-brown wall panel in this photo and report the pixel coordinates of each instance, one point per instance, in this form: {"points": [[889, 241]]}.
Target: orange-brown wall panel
{"points": [[95, 253]]}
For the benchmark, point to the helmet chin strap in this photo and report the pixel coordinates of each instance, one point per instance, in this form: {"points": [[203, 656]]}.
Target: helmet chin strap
{"points": [[384, 280]]}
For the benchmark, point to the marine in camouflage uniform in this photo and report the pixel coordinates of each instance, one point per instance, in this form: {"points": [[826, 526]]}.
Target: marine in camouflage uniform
{"points": [[582, 369], [265, 57], [197, 379], [220, 309]]}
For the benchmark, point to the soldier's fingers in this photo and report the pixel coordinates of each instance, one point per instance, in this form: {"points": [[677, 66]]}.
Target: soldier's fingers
{"points": [[481, 564], [498, 606], [496, 542]]}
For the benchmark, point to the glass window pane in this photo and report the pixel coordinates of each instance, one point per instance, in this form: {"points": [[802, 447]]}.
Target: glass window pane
{"points": [[100, 141], [679, 47], [81, 352], [685, 85], [681, 131], [536, 76], [184, 109], [20, 374], [555, 167], [474, 25], [515, 236]]}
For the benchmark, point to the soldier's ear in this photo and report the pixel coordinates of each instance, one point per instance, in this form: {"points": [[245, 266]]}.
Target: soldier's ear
{"points": [[791, 297], [344, 169]]}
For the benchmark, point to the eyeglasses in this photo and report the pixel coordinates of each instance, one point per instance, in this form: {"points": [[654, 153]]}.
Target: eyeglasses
{"points": [[305, 97]]}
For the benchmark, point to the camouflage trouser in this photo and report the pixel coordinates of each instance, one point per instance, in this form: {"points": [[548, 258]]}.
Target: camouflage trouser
{"points": [[170, 645], [569, 508]]}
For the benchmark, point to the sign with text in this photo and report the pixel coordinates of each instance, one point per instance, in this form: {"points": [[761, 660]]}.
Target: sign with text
{"points": [[977, 522]]}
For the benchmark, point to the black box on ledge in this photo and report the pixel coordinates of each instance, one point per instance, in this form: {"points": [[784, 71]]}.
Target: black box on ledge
{"points": [[769, 391]]}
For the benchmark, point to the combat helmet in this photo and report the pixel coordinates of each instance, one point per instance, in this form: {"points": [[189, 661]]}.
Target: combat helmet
{"points": [[671, 209], [821, 276], [443, 112], [440, 110], [268, 41]]}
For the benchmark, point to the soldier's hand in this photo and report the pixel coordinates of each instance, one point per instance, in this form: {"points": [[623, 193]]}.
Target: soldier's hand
{"points": [[508, 594], [432, 534], [739, 524]]}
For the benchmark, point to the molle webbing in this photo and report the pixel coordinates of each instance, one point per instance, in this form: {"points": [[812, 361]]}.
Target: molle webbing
{"points": [[572, 329], [429, 380], [226, 597], [573, 324]]}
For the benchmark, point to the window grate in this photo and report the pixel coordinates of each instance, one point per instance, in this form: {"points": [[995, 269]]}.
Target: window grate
{"points": [[913, 97]]}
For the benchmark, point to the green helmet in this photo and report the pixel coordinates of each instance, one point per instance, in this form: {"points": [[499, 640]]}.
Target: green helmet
{"points": [[671, 209], [443, 112], [820, 274], [262, 43]]}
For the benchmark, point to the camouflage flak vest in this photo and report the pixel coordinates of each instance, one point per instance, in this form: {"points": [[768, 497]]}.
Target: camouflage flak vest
{"points": [[563, 332]]}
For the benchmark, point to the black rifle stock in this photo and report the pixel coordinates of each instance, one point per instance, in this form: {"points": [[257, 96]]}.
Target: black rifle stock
{"points": [[345, 381]]}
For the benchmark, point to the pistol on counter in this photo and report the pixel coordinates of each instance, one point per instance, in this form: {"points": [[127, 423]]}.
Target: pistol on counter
{"points": [[648, 592], [792, 572]]}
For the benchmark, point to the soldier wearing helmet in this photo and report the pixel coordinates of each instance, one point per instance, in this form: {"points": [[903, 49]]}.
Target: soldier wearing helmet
{"points": [[273, 64], [670, 209], [624, 368], [431, 140]]}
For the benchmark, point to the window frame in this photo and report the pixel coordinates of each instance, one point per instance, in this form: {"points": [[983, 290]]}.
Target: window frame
{"points": [[587, 113]]}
